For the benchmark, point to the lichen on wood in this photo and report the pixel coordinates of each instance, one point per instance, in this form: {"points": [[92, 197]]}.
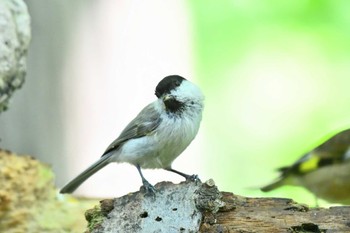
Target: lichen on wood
{"points": [[173, 208], [29, 200]]}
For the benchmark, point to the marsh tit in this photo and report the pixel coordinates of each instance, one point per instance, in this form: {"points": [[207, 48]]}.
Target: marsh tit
{"points": [[324, 171], [158, 134]]}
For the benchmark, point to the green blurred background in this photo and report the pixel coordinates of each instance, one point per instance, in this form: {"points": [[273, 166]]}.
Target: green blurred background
{"points": [[278, 77]]}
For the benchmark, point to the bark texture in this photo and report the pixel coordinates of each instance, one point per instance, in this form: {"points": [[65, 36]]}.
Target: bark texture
{"points": [[197, 207], [173, 208]]}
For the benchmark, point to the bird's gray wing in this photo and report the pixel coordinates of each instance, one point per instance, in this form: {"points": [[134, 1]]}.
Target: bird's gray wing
{"points": [[143, 124]]}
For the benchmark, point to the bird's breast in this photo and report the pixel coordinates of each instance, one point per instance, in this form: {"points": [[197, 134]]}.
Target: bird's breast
{"points": [[161, 147]]}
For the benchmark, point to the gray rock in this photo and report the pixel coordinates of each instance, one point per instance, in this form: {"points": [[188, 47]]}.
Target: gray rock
{"points": [[14, 41]]}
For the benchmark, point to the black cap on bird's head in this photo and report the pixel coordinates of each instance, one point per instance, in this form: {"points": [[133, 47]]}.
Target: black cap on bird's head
{"points": [[167, 84]]}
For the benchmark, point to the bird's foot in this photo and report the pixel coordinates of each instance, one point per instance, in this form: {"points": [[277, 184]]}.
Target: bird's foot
{"points": [[193, 178], [148, 188]]}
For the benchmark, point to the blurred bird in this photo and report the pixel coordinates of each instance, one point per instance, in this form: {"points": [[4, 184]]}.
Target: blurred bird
{"points": [[324, 171]]}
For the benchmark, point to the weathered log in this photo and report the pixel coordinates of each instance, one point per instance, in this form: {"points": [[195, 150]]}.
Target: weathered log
{"points": [[201, 207]]}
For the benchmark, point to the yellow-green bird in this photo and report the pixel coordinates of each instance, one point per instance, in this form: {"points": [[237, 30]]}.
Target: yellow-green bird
{"points": [[324, 171]]}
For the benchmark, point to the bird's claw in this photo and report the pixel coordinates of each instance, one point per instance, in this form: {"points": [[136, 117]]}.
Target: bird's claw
{"points": [[148, 188], [193, 178]]}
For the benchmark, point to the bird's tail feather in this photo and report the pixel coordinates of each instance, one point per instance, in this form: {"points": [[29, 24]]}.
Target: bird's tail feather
{"points": [[273, 185], [77, 181]]}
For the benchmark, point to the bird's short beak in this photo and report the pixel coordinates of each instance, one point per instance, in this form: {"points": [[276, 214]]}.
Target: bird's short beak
{"points": [[167, 97]]}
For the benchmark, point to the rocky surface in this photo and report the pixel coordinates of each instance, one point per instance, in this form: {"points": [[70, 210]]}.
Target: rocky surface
{"points": [[14, 41]]}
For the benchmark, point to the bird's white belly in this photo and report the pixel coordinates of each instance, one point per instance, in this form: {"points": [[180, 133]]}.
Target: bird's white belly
{"points": [[161, 148]]}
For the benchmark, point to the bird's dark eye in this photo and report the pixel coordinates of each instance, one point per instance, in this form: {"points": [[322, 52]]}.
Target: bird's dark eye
{"points": [[177, 83]]}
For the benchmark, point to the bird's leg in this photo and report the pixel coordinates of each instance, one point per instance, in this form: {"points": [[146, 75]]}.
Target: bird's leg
{"points": [[187, 177], [148, 187]]}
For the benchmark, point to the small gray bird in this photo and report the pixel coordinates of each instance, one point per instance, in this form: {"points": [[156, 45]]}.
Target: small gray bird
{"points": [[324, 171], [158, 134]]}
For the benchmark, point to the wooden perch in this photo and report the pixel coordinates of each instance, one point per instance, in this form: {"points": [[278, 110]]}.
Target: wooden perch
{"points": [[201, 207]]}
